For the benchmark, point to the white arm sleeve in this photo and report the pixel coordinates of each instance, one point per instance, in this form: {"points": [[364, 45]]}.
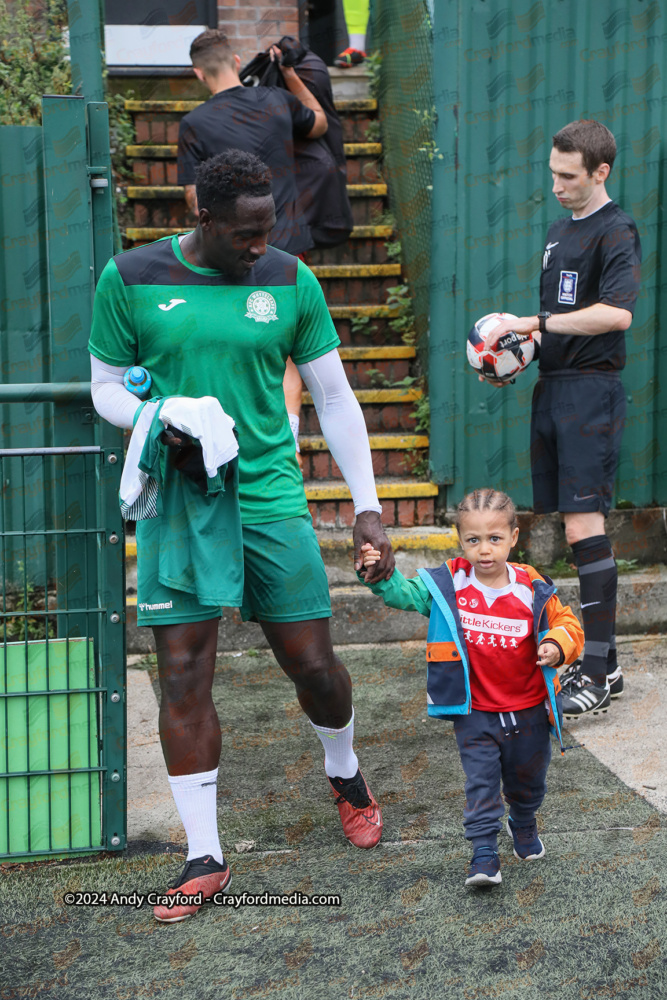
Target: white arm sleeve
{"points": [[110, 397], [343, 426]]}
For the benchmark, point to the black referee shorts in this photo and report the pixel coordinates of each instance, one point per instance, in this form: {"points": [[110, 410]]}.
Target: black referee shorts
{"points": [[575, 438]]}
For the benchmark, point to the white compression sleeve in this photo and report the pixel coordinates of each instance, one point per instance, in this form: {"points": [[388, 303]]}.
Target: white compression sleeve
{"points": [[110, 397], [343, 426]]}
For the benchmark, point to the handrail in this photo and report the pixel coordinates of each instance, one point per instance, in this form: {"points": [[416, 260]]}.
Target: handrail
{"points": [[45, 392]]}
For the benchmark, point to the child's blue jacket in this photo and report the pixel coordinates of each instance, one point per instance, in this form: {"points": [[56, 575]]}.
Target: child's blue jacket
{"points": [[448, 679]]}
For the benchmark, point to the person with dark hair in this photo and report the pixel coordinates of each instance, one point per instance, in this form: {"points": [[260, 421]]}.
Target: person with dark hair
{"points": [[496, 634], [260, 120], [588, 289], [216, 312]]}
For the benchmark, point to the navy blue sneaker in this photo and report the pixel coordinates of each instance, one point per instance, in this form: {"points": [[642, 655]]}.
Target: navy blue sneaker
{"points": [[527, 845], [484, 868]]}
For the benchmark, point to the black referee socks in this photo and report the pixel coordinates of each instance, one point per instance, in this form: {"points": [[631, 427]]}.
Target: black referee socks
{"points": [[598, 579]]}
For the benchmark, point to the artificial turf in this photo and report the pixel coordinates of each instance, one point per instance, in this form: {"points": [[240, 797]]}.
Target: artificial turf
{"points": [[587, 921]]}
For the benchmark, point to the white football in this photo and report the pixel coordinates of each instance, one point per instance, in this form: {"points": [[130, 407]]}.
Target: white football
{"points": [[511, 354]]}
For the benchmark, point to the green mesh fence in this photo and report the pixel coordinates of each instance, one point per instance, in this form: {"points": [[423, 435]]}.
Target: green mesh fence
{"points": [[401, 33]]}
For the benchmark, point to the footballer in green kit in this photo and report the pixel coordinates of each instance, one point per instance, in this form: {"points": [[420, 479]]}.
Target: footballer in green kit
{"points": [[217, 312]]}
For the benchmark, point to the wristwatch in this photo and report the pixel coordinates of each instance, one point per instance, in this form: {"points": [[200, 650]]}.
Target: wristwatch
{"points": [[542, 319]]}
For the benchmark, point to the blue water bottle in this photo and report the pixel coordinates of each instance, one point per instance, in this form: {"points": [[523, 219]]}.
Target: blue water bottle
{"points": [[138, 381]]}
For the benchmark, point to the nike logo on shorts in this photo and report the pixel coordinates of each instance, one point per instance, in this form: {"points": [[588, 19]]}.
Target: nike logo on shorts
{"points": [[591, 496], [590, 605], [551, 245], [172, 303]]}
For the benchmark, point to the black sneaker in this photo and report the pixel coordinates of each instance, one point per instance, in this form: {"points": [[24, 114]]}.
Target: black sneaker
{"points": [[582, 697], [484, 868], [615, 682]]}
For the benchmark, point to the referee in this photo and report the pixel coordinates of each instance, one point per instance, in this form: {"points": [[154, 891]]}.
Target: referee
{"points": [[588, 289]]}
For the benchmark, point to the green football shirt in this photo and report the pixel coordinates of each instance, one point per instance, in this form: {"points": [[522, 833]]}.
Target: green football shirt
{"points": [[201, 333]]}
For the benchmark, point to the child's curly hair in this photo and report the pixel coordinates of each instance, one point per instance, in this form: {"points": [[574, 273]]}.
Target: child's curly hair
{"points": [[487, 499]]}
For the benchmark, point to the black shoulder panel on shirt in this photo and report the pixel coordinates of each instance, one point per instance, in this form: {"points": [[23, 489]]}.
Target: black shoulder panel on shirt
{"points": [[156, 264]]}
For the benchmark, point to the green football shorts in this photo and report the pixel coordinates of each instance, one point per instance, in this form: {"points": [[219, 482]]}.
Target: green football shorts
{"points": [[284, 579]]}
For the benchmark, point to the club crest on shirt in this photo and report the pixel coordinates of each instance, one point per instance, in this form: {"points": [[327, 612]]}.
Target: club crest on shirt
{"points": [[473, 602], [463, 602], [261, 307], [567, 289]]}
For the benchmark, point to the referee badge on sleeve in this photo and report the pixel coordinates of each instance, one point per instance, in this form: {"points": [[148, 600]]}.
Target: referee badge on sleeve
{"points": [[567, 289]]}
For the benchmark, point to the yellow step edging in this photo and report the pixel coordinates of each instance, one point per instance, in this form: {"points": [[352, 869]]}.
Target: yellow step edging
{"points": [[374, 312], [388, 353], [182, 107], [378, 442], [434, 540], [168, 151], [150, 233], [400, 490], [356, 270], [380, 396], [153, 191]]}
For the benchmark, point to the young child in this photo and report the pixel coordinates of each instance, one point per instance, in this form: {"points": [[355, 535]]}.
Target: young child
{"points": [[497, 632]]}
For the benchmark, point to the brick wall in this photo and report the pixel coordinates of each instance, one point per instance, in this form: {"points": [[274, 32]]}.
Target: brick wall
{"points": [[252, 27]]}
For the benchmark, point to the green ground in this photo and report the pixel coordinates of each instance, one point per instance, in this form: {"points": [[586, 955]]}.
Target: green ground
{"points": [[588, 921]]}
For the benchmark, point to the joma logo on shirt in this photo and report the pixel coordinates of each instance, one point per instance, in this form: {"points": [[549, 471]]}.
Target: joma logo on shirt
{"points": [[499, 626]]}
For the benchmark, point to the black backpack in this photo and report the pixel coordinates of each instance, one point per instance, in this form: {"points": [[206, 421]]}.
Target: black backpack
{"points": [[321, 170]]}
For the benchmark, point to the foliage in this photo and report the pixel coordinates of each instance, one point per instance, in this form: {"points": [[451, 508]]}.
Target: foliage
{"points": [[33, 58], [373, 133], [403, 323], [26, 625], [362, 324], [373, 66], [394, 249], [427, 119]]}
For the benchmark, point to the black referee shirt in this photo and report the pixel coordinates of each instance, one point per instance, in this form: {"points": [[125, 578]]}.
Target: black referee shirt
{"points": [[260, 120], [589, 260]]}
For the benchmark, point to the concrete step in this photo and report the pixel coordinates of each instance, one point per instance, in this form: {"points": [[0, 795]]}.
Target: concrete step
{"points": [[182, 107], [347, 84], [391, 455], [156, 164], [162, 206], [170, 192], [406, 502], [360, 617], [167, 151], [365, 245], [147, 234]]}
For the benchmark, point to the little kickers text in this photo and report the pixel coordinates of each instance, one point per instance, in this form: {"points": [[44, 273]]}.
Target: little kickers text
{"points": [[235, 900]]}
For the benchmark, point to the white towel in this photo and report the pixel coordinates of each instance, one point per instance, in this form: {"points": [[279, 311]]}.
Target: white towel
{"points": [[205, 420], [133, 481]]}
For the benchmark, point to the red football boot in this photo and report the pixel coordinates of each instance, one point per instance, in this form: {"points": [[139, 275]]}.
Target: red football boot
{"points": [[359, 812], [200, 875]]}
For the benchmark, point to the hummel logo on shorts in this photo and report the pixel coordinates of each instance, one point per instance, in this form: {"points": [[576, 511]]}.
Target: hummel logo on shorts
{"points": [[172, 303], [165, 606]]}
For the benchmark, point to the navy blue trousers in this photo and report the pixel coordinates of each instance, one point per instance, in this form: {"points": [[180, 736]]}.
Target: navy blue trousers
{"points": [[516, 755]]}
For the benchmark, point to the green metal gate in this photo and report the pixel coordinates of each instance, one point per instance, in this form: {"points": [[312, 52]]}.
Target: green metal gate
{"points": [[62, 672]]}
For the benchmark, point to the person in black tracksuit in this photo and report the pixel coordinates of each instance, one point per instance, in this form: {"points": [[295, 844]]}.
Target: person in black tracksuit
{"points": [[588, 289]]}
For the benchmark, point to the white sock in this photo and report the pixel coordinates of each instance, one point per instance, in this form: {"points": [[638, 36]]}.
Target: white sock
{"points": [[340, 760], [358, 42], [195, 798]]}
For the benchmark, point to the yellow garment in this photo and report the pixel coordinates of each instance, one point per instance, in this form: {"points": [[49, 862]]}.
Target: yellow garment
{"points": [[356, 16]]}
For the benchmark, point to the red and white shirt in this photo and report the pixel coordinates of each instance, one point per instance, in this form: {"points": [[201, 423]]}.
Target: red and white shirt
{"points": [[498, 629]]}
